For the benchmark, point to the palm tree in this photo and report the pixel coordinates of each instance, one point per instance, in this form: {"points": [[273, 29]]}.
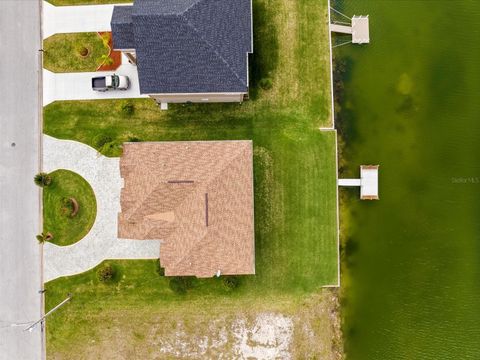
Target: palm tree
{"points": [[44, 236], [42, 179]]}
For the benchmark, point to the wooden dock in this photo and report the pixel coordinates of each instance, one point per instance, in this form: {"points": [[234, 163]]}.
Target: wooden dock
{"points": [[359, 29], [368, 182]]}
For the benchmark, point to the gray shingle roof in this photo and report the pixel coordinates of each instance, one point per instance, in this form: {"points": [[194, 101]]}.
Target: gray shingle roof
{"points": [[189, 46], [122, 27]]}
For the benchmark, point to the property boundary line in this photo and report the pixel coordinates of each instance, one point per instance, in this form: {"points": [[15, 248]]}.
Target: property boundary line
{"points": [[332, 128], [43, 355]]}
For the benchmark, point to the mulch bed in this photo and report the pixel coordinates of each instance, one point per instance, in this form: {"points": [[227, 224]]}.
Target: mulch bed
{"points": [[115, 55]]}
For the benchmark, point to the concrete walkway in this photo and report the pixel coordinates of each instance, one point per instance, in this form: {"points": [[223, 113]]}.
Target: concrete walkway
{"points": [[78, 86], [101, 242], [72, 19]]}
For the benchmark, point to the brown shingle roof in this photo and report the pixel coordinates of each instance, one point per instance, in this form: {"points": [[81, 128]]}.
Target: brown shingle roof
{"points": [[197, 197]]}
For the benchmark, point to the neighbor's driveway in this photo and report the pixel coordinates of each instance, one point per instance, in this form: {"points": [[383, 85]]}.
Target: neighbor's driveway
{"points": [[101, 242], [78, 86], [72, 19]]}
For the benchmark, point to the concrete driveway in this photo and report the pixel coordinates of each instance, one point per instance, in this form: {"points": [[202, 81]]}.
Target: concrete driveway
{"points": [[101, 242], [78, 86], [72, 19]]}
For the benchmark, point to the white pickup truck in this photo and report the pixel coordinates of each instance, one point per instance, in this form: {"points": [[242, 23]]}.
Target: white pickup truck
{"points": [[110, 82]]}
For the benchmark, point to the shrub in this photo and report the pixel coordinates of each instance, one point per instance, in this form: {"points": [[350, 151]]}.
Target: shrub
{"points": [[83, 51], [110, 148], [128, 108], [134, 139], [180, 284], [265, 83], [160, 270], [106, 273], [42, 179], [230, 282], [44, 236], [100, 140]]}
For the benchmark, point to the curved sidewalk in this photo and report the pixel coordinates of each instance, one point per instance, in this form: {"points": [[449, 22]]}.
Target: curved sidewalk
{"points": [[101, 242]]}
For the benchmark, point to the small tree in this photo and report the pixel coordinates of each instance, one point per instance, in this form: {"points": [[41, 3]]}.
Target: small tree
{"points": [[83, 51], [127, 108], [44, 237], [266, 83], [106, 273], [42, 179]]}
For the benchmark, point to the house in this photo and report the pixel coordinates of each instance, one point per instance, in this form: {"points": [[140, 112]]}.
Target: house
{"points": [[197, 198], [187, 50]]}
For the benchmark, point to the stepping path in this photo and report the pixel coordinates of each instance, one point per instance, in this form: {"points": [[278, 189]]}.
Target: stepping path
{"points": [[101, 242], [72, 19]]}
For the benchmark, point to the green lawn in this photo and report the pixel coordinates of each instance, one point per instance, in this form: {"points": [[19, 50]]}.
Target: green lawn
{"points": [[62, 52], [57, 210], [295, 189]]}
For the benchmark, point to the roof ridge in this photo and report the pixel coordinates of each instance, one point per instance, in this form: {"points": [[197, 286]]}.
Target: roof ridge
{"points": [[191, 6], [190, 24], [203, 187]]}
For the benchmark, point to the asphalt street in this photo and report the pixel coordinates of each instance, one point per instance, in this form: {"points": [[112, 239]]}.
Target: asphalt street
{"points": [[20, 265]]}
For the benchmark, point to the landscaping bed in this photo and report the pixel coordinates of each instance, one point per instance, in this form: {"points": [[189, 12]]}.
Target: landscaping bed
{"points": [[75, 52], [69, 207]]}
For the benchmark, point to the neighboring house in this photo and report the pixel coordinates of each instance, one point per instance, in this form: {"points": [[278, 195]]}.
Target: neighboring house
{"points": [[187, 50], [197, 198]]}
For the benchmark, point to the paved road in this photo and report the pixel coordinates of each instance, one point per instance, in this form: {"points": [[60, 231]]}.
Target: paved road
{"points": [[20, 269]]}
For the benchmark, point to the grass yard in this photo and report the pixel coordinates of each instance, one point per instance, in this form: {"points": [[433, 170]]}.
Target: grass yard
{"points": [[138, 317], [58, 217], [295, 202], [63, 52]]}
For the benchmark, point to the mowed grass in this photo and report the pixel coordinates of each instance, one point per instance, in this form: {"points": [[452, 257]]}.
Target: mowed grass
{"points": [[295, 187], [126, 317], [57, 211], [62, 52]]}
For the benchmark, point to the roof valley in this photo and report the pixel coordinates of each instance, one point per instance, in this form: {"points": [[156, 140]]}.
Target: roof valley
{"points": [[220, 56]]}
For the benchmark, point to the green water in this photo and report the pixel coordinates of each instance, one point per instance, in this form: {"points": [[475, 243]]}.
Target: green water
{"points": [[412, 104]]}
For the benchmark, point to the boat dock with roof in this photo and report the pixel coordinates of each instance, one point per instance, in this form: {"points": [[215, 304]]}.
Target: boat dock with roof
{"points": [[368, 182]]}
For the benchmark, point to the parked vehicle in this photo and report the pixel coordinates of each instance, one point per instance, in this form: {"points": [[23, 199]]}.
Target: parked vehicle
{"points": [[110, 82]]}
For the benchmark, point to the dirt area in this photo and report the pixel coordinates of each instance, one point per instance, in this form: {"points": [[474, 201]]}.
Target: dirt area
{"points": [[306, 330]]}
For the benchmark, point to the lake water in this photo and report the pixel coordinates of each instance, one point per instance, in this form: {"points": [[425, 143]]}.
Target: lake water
{"points": [[412, 105]]}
